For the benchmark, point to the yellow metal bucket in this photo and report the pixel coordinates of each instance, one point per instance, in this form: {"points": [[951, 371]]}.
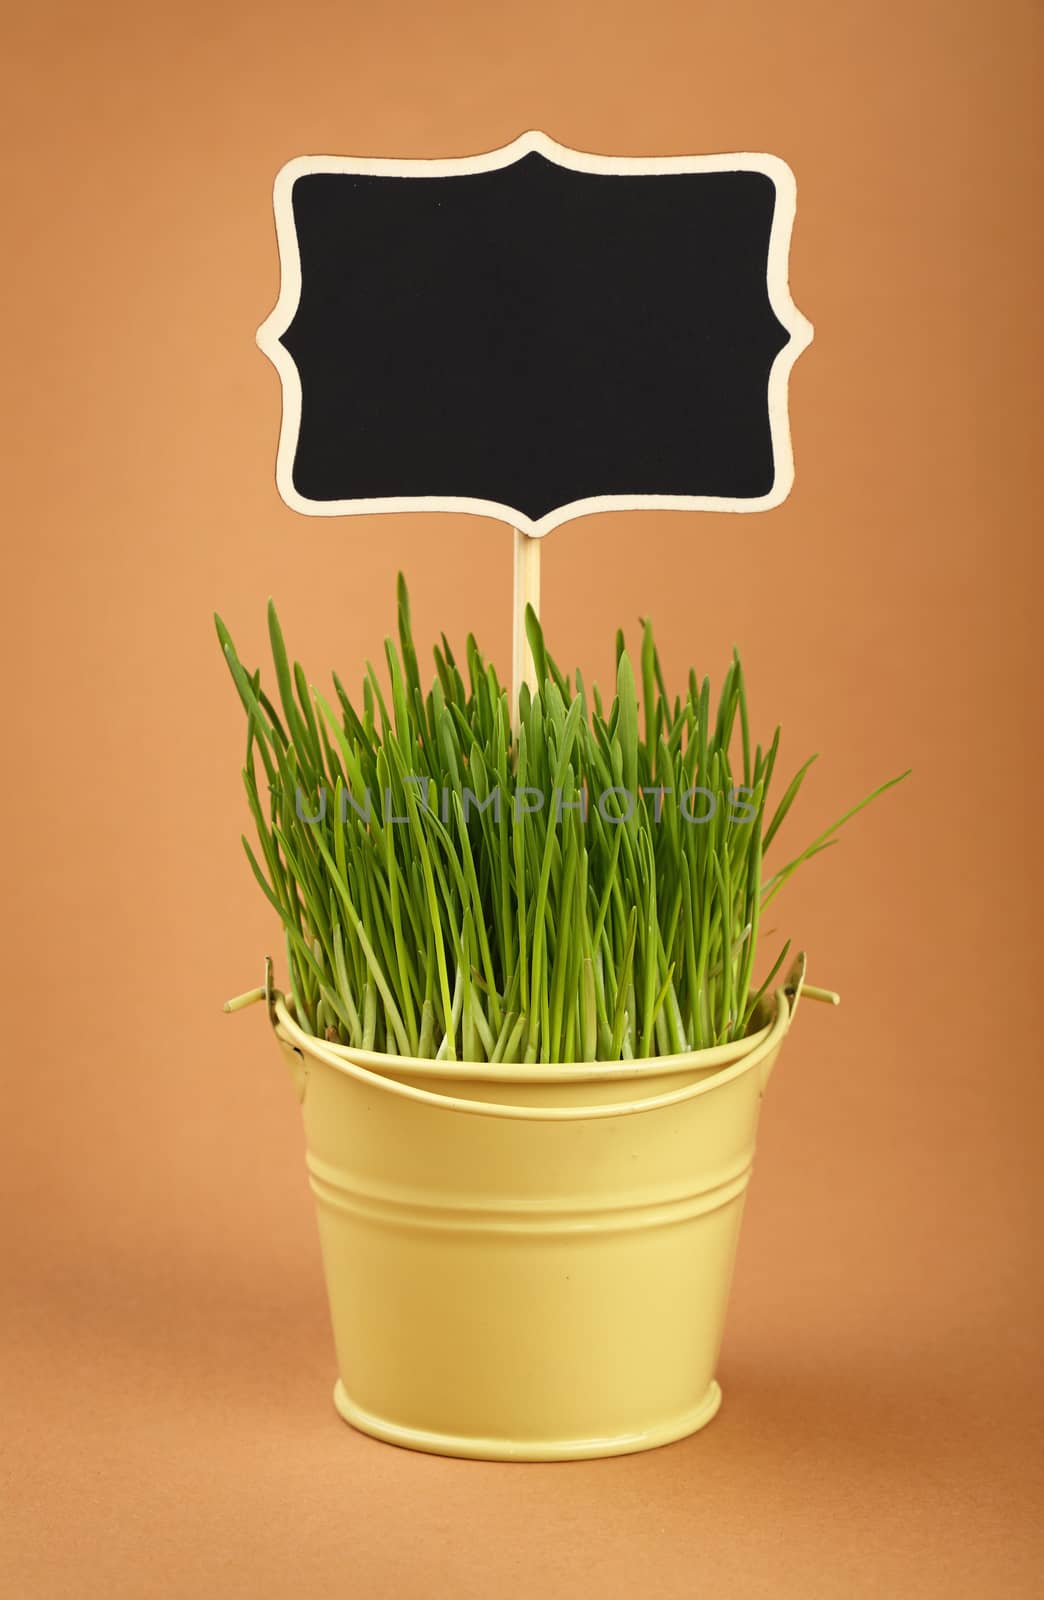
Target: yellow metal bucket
{"points": [[530, 1263]]}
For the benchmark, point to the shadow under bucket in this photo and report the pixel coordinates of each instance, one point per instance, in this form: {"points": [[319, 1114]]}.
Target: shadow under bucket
{"points": [[530, 1263]]}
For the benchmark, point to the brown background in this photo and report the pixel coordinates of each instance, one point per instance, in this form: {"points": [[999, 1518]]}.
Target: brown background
{"points": [[167, 1428]]}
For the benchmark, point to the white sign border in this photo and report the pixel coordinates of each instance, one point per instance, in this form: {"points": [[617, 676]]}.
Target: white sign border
{"points": [[797, 326]]}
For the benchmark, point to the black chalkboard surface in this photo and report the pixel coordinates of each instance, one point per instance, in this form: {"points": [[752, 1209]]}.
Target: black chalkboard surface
{"points": [[534, 334]]}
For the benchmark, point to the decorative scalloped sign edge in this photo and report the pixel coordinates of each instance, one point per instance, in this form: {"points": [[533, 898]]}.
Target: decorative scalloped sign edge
{"points": [[797, 326]]}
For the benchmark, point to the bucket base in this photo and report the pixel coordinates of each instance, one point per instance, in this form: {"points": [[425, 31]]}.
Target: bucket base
{"points": [[448, 1444]]}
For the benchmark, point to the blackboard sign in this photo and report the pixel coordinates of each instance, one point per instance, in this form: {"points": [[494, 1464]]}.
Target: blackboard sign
{"points": [[534, 334]]}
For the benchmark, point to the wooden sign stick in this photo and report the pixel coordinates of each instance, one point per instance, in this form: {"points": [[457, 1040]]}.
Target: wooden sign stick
{"points": [[526, 593]]}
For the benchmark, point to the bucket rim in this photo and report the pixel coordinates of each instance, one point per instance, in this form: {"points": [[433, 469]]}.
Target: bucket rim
{"points": [[508, 1072], [308, 1048]]}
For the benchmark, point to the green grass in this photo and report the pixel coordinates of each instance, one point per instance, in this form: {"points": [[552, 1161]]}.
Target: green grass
{"points": [[430, 920]]}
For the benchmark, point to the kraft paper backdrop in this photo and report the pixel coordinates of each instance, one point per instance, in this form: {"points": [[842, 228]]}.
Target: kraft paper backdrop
{"points": [[167, 1424]]}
